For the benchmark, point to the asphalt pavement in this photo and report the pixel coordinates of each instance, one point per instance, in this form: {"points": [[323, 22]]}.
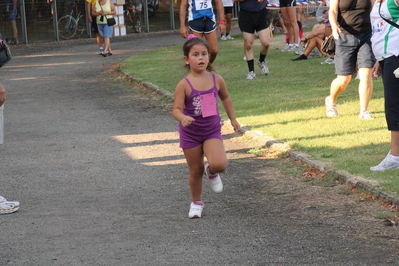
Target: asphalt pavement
{"points": [[101, 179]]}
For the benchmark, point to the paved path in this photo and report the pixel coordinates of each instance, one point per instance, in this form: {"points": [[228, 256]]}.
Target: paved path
{"points": [[101, 179]]}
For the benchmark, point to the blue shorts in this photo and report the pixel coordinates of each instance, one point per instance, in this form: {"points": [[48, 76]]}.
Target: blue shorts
{"points": [[13, 16], [105, 31], [202, 25], [352, 52]]}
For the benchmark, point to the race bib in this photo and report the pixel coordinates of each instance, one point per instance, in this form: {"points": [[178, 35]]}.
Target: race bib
{"points": [[208, 105], [203, 4]]}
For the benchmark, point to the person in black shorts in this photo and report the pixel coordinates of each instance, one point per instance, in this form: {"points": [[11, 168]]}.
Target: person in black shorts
{"points": [[254, 17], [288, 11], [228, 13]]}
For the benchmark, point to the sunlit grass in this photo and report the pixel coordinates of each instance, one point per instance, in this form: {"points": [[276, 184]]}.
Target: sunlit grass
{"points": [[288, 104]]}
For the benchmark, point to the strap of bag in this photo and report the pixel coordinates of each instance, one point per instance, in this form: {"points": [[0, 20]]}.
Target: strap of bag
{"points": [[390, 22], [102, 10]]}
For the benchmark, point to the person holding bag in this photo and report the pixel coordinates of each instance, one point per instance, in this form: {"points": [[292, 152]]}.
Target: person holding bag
{"points": [[385, 40], [104, 9]]}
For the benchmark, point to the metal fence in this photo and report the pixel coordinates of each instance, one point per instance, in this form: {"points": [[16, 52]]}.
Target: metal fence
{"points": [[37, 20]]}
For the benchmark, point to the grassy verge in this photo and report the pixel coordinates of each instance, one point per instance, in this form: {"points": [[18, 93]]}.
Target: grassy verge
{"points": [[288, 104]]}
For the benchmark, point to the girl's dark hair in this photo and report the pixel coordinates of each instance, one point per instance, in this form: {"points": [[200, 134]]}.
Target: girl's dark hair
{"points": [[188, 45]]}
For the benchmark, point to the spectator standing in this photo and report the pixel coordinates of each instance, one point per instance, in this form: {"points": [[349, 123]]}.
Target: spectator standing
{"points": [[93, 21], [228, 14], [351, 28], [12, 13], [103, 10], [288, 10], [196, 108], [385, 40], [301, 12], [254, 17], [202, 22], [5, 205]]}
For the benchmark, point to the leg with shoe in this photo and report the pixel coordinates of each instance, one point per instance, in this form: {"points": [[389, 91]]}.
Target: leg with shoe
{"points": [[250, 22], [338, 85], [351, 53], [213, 149], [228, 14], [391, 105], [391, 161]]}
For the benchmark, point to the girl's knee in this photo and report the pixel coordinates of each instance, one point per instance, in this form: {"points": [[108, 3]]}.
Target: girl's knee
{"points": [[218, 167]]}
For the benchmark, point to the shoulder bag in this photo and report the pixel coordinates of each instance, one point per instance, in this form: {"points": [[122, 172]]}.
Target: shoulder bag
{"points": [[328, 45], [110, 21]]}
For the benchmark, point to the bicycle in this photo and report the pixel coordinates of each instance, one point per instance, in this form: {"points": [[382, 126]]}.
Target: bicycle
{"points": [[133, 15], [69, 27]]}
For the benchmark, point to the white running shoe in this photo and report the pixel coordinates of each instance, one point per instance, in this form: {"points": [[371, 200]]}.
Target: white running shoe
{"points": [[244, 58], [387, 164], [195, 211], [331, 109], [263, 67], [228, 37], [216, 182], [286, 49], [365, 115], [329, 61], [8, 206], [223, 38], [251, 75]]}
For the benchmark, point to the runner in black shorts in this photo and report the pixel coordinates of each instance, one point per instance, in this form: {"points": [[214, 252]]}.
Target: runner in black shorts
{"points": [[228, 13], [288, 11], [254, 17]]}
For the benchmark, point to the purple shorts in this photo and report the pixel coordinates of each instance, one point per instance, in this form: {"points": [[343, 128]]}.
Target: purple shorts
{"points": [[188, 141]]}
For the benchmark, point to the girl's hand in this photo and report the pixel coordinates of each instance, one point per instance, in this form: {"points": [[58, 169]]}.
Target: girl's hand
{"points": [[187, 120], [235, 125]]}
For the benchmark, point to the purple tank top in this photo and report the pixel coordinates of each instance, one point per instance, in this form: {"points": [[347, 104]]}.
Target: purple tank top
{"points": [[192, 107]]}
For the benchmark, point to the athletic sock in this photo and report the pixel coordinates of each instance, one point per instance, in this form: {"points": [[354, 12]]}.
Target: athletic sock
{"points": [[209, 174], [395, 158], [251, 65], [198, 203], [262, 57]]}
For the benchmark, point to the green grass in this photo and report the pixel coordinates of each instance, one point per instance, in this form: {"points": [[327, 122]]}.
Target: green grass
{"points": [[288, 104]]}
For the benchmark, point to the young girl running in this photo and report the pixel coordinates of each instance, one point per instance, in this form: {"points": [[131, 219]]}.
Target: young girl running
{"points": [[196, 108]]}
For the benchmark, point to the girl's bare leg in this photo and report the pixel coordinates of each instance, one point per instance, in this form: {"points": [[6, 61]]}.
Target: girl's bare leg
{"points": [[195, 162], [215, 153]]}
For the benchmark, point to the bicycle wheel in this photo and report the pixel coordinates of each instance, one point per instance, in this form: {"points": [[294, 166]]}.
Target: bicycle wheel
{"points": [[82, 27], [66, 27]]}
